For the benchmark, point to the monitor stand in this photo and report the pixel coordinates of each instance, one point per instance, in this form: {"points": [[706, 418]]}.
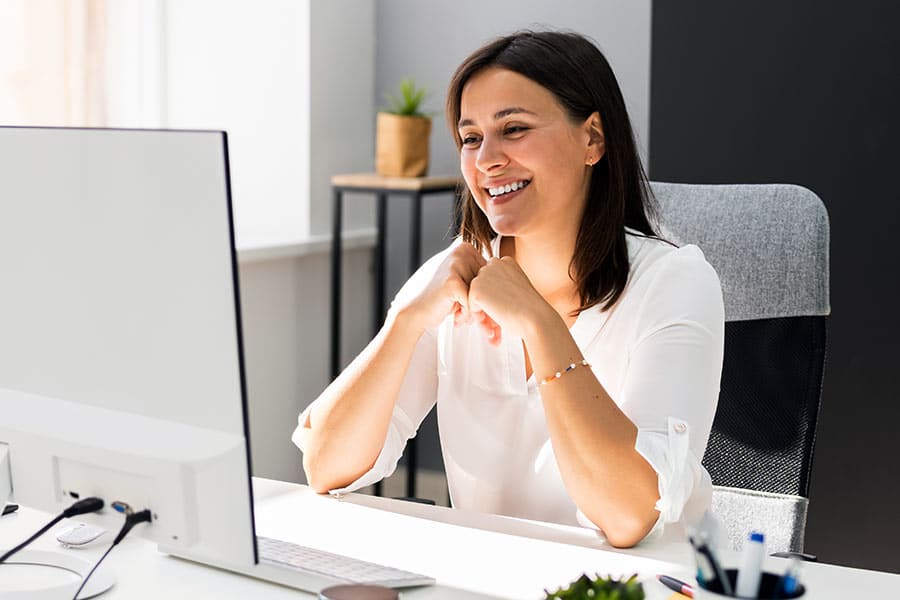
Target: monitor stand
{"points": [[49, 575]]}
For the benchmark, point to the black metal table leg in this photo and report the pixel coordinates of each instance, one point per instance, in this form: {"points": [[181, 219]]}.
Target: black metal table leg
{"points": [[336, 218], [380, 276], [415, 233], [378, 304], [415, 251]]}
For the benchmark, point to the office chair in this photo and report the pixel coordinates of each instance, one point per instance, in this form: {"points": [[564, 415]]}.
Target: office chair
{"points": [[769, 245]]}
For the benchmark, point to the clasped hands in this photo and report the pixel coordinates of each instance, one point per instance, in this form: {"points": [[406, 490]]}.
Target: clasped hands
{"points": [[495, 294]]}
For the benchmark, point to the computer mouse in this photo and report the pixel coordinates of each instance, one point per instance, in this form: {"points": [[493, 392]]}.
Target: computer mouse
{"points": [[79, 534]]}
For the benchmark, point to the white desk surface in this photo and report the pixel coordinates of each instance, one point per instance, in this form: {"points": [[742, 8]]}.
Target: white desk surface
{"points": [[470, 554]]}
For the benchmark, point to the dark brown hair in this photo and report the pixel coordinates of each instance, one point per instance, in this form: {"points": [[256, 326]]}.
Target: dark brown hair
{"points": [[576, 72]]}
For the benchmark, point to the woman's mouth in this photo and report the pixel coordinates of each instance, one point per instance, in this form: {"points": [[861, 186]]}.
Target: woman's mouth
{"points": [[501, 193]]}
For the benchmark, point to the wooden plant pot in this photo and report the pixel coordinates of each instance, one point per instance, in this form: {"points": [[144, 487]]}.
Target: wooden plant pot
{"points": [[401, 145]]}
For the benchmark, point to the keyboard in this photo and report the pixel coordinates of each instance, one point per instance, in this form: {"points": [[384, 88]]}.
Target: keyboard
{"points": [[335, 566]]}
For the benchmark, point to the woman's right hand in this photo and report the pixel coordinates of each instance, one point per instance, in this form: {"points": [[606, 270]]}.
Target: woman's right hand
{"points": [[448, 290]]}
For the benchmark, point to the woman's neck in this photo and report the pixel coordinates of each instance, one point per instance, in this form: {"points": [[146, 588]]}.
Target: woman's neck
{"points": [[546, 263]]}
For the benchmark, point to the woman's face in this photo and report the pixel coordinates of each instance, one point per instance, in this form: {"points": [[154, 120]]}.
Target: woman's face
{"points": [[525, 162]]}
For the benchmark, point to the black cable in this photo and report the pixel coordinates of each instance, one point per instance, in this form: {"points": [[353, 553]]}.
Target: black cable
{"points": [[131, 520], [81, 507]]}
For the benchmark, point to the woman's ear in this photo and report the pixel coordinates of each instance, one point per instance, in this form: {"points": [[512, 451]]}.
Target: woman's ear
{"points": [[596, 141]]}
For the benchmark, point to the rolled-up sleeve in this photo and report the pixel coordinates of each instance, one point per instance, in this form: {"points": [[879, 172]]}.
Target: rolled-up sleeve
{"points": [[678, 469]]}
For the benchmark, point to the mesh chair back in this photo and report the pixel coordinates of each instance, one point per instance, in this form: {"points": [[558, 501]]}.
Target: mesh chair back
{"points": [[769, 245]]}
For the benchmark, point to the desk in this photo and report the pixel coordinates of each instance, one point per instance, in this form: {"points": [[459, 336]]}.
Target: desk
{"points": [[414, 188], [471, 555]]}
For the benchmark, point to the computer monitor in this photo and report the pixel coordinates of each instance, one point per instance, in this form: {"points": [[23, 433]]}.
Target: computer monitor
{"points": [[121, 369]]}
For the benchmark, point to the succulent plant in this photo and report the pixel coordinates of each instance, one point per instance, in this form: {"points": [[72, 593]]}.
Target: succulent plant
{"points": [[409, 101], [600, 588]]}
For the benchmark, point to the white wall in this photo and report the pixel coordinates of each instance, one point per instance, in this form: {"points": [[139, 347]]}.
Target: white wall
{"points": [[244, 67], [292, 82], [342, 117]]}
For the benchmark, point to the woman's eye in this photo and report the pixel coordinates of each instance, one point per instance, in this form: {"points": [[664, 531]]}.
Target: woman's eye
{"points": [[470, 140], [514, 129]]}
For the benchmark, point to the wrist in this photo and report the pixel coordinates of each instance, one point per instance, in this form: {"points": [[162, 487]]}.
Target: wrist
{"points": [[405, 321], [542, 320]]}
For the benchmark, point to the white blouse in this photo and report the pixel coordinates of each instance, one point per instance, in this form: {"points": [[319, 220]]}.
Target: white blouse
{"points": [[657, 353]]}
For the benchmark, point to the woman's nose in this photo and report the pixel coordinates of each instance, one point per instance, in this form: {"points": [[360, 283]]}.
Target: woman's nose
{"points": [[490, 155]]}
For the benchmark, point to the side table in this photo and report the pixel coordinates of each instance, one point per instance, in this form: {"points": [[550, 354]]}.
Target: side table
{"points": [[414, 188]]}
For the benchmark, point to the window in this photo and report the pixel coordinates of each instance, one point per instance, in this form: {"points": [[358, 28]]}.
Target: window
{"points": [[51, 62], [197, 64]]}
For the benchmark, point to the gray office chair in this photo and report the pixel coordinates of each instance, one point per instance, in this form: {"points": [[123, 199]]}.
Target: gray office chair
{"points": [[769, 245]]}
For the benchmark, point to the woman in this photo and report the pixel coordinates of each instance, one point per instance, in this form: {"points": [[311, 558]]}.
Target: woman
{"points": [[574, 356]]}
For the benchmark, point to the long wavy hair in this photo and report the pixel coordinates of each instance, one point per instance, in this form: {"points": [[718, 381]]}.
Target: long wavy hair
{"points": [[575, 71]]}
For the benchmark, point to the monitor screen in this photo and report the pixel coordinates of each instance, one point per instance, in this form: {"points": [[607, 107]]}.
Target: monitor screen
{"points": [[121, 368]]}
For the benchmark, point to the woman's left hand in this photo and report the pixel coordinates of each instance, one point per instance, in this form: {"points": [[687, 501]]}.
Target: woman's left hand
{"points": [[501, 298]]}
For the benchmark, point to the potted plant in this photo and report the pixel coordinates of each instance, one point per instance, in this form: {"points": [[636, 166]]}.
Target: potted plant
{"points": [[600, 588], [401, 134]]}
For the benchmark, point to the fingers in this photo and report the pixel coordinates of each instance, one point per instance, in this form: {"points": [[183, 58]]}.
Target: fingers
{"points": [[459, 294], [490, 327], [457, 314], [467, 261], [467, 264]]}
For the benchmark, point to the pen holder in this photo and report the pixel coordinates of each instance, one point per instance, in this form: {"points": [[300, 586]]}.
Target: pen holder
{"points": [[768, 587]]}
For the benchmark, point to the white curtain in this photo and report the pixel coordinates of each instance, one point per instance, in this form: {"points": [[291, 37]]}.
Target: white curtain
{"points": [[52, 62]]}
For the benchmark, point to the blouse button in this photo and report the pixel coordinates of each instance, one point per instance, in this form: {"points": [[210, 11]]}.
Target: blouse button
{"points": [[680, 427]]}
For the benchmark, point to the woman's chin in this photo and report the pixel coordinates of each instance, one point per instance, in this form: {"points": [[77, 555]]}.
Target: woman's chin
{"points": [[505, 226]]}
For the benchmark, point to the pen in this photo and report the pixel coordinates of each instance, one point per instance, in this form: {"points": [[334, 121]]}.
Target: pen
{"points": [[676, 585], [750, 571], [787, 584], [705, 573], [708, 567]]}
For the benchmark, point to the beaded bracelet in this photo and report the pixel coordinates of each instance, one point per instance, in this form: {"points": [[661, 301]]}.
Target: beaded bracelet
{"points": [[558, 374]]}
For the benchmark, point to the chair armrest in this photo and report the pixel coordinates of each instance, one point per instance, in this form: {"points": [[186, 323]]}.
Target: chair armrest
{"points": [[800, 555]]}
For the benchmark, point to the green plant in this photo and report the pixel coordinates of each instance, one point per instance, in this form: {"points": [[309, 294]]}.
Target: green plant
{"points": [[600, 588], [409, 101]]}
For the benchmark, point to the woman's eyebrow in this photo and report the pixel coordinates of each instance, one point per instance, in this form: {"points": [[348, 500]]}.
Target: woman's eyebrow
{"points": [[500, 114]]}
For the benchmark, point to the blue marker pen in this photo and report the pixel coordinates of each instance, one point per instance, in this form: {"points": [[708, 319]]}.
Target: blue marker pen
{"points": [[750, 570]]}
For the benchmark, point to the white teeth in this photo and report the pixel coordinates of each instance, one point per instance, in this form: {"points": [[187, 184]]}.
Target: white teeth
{"points": [[505, 189]]}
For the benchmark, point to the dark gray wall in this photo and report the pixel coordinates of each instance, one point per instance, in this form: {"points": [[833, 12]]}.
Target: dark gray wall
{"points": [[807, 93]]}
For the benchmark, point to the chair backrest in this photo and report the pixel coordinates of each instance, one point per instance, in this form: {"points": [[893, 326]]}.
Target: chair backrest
{"points": [[769, 245]]}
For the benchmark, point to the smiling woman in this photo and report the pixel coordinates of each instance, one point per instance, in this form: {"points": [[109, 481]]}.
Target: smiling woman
{"points": [[573, 355], [507, 123]]}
